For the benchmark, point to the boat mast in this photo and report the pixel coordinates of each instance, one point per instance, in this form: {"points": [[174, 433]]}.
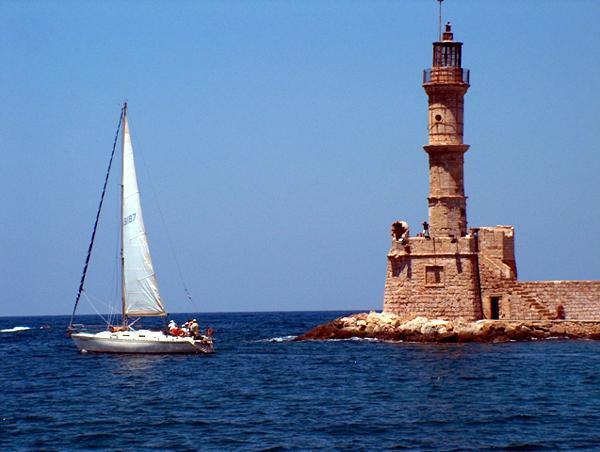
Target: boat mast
{"points": [[91, 246], [125, 130]]}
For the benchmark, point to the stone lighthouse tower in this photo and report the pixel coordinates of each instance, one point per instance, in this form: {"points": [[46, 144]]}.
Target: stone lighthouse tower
{"points": [[435, 274], [446, 84], [447, 271]]}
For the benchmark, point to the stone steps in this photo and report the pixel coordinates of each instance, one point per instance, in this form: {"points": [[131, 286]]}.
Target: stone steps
{"points": [[534, 305]]}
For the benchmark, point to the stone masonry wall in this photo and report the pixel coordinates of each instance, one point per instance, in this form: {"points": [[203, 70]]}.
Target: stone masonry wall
{"points": [[535, 300], [580, 300], [475, 277], [436, 278], [497, 268]]}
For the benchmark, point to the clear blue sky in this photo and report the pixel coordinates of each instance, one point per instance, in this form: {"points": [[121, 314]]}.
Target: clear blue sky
{"points": [[283, 138]]}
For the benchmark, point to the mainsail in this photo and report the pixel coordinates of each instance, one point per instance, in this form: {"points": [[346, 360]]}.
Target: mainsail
{"points": [[140, 288]]}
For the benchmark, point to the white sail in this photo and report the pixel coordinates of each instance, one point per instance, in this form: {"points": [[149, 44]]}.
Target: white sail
{"points": [[140, 290], [142, 297]]}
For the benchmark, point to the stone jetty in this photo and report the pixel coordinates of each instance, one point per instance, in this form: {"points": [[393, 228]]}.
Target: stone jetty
{"points": [[389, 327]]}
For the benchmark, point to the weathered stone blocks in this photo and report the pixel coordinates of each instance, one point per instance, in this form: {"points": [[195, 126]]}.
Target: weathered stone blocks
{"points": [[388, 327]]}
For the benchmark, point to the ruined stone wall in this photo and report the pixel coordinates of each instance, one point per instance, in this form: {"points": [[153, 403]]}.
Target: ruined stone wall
{"points": [[497, 268], [475, 277], [580, 300], [538, 300], [436, 278], [496, 246]]}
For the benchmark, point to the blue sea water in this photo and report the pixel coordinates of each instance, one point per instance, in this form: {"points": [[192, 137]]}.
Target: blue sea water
{"points": [[261, 391]]}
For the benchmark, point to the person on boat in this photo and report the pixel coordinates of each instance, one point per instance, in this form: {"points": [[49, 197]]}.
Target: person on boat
{"points": [[116, 329], [177, 332], [172, 328], [186, 328], [195, 328]]}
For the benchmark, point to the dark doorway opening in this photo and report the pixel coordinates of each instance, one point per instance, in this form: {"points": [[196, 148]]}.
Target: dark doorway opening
{"points": [[494, 308]]}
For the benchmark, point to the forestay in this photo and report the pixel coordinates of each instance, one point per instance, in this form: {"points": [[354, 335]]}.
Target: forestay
{"points": [[142, 297]]}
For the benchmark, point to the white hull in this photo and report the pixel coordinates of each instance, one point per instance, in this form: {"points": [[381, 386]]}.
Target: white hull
{"points": [[140, 296], [140, 341]]}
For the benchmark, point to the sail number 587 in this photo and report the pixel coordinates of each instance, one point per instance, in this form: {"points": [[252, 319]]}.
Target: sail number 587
{"points": [[129, 219]]}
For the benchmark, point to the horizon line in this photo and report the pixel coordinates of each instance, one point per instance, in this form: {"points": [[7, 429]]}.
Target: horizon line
{"points": [[201, 312]]}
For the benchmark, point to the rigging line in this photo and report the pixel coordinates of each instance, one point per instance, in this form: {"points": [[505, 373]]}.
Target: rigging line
{"points": [[97, 300], [94, 307], [110, 315], [166, 230], [89, 253]]}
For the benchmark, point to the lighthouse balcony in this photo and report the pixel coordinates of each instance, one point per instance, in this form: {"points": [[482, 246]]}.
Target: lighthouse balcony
{"points": [[446, 74]]}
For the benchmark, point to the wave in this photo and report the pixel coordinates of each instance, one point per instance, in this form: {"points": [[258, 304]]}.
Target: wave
{"points": [[278, 339], [358, 339], [354, 339], [15, 329]]}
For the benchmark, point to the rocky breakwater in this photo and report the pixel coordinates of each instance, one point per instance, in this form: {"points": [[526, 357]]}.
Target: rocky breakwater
{"points": [[389, 327]]}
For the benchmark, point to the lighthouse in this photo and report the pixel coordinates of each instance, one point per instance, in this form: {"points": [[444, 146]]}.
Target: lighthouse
{"points": [[446, 83], [436, 273], [446, 270]]}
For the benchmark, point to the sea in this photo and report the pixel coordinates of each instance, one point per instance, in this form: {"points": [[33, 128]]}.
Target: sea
{"points": [[262, 391]]}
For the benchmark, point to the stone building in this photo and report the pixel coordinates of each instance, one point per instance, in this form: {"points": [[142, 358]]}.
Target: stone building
{"points": [[448, 270]]}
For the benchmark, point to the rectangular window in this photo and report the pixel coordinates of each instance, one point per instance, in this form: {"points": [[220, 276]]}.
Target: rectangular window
{"points": [[434, 275]]}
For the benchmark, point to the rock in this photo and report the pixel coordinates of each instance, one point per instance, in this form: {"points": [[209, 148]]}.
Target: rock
{"points": [[415, 324], [384, 318], [397, 322], [468, 329], [420, 329], [434, 327], [372, 316], [557, 330], [378, 329]]}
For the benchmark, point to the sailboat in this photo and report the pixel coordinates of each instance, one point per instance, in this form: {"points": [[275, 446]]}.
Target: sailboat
{"points": [[140, 296]]}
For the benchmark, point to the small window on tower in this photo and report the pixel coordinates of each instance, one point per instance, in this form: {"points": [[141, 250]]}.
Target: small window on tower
{"points": [[434, 275], [438, 118]]}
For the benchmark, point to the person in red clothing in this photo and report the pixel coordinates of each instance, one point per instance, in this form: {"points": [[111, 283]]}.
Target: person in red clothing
{"points": [[173, 328]]}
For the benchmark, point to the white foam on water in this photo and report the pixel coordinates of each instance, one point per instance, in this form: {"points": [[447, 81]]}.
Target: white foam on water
{"points": [[278, 339], [354, 339], [15, 329]]}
